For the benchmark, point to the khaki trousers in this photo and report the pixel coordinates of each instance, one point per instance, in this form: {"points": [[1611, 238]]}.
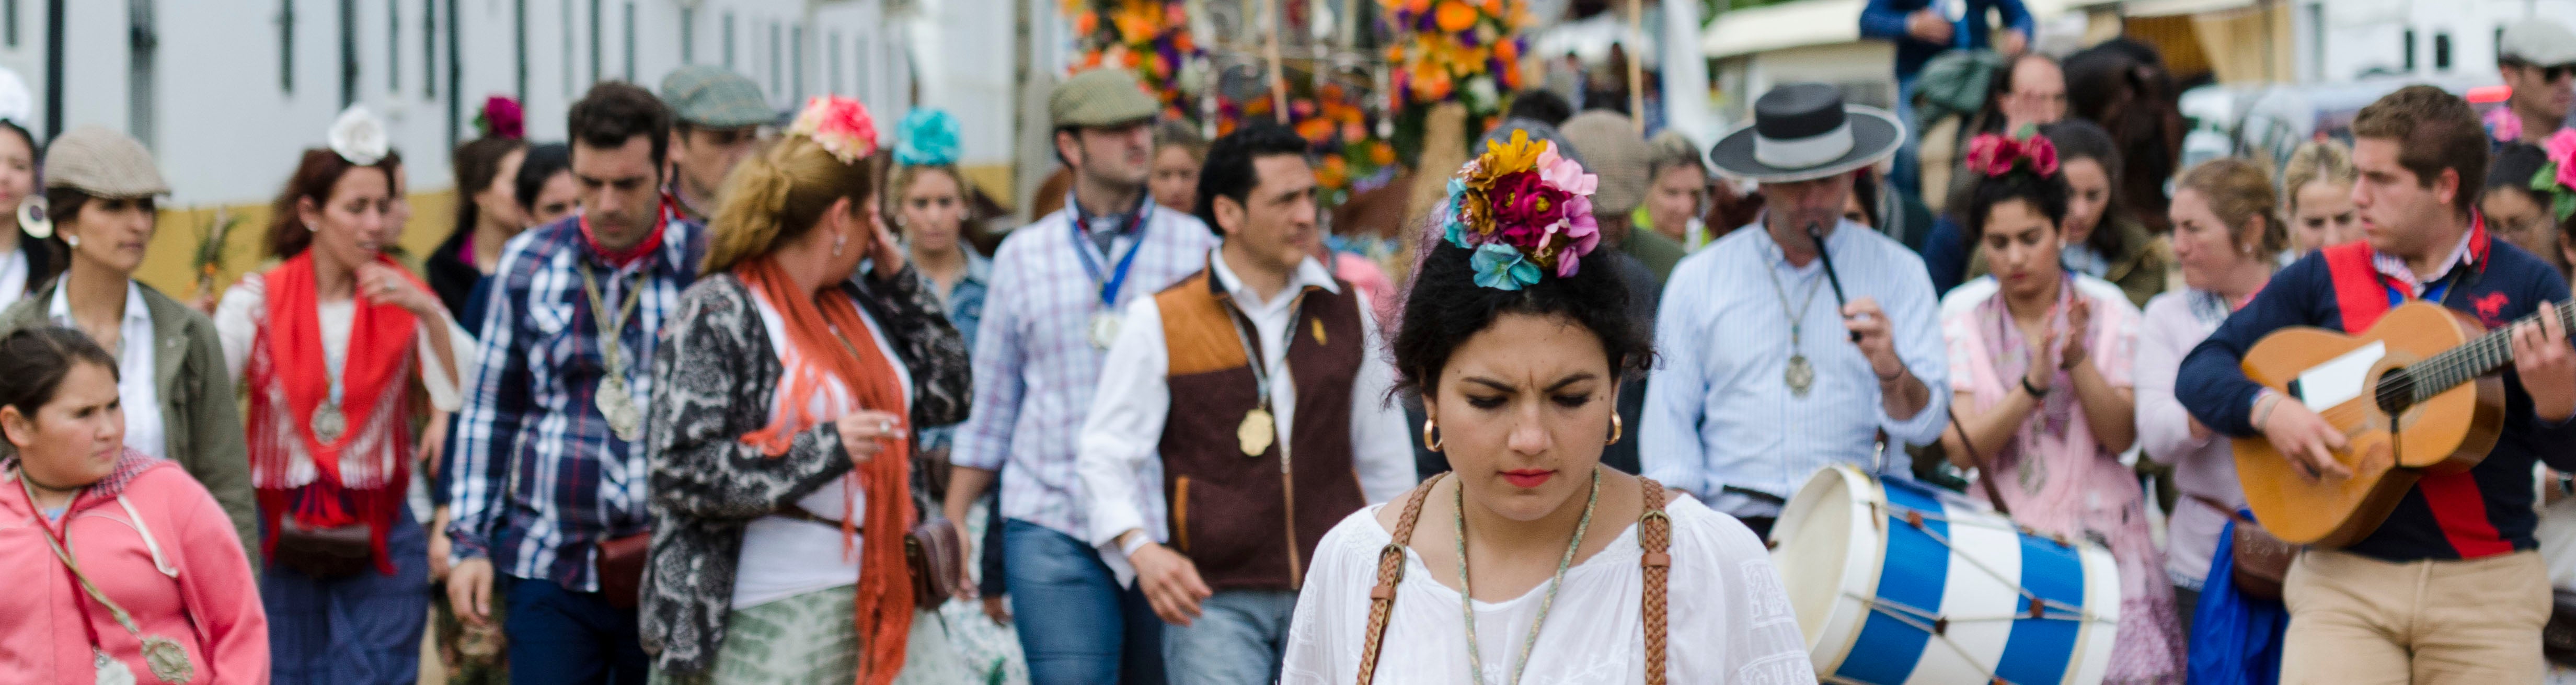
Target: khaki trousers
{"points": [[2355, 619]]}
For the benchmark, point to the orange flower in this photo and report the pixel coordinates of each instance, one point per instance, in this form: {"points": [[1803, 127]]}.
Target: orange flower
{"points": [[1130, 59], [1494, 7], [1315, 130], [1184, 43], [1506, 51], [1455, 16], [1381, 153], [1417, 6], [1091, 60], [1085, 23], [1335, 174], [1431, 85]]}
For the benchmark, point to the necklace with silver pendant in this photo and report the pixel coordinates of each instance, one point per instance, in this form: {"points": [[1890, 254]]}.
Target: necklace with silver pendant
{"points": [[615, 402], [327, 422], [1800, 374]]}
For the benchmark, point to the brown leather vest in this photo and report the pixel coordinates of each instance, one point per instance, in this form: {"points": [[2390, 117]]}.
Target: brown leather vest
{"points": [[1252, 522]]}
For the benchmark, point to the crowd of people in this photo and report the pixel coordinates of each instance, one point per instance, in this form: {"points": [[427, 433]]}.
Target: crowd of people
{"points": [[707, 395]]}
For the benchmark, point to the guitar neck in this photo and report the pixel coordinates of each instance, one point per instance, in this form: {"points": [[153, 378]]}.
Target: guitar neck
{"points": [[2477, 357]]}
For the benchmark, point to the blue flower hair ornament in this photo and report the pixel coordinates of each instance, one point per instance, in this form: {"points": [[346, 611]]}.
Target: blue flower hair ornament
{"points": [[927, 137]]}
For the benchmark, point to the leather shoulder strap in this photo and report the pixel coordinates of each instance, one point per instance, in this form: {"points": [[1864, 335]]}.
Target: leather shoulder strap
{"points": [[1655, 536], [1390, 571]]}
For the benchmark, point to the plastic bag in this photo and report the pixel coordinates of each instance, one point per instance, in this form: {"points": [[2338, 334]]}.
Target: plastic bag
{"points": [[2235, 639]]}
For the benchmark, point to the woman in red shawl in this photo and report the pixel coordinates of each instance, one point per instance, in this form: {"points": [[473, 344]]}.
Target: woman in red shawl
{"points": [[328, 344]]}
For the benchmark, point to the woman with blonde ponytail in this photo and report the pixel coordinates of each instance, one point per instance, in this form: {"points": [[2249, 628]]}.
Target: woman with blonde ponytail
{"points": [[783, 417]]}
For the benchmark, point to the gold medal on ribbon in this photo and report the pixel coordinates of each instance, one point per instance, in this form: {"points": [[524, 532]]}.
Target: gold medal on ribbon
{"points": [[1800, 375], [1256, 432]]}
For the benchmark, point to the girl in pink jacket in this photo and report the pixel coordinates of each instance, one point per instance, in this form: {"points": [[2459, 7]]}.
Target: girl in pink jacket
{"points": [[116, 562]]}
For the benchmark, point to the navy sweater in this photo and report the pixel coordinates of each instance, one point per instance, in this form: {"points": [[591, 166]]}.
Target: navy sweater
{"points": [[2504, 287]]}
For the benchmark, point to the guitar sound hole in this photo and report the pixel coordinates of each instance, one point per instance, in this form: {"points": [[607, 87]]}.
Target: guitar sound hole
{"points": [[2396, 391]]}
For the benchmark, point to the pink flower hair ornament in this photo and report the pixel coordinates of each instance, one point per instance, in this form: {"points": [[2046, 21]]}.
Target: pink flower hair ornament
{"points": [[2558, 177], [1995, 155], [840, 125], [1524, 211]]}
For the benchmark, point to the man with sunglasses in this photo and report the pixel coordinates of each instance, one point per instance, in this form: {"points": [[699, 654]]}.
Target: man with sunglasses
{"points": [[2537, 58]]}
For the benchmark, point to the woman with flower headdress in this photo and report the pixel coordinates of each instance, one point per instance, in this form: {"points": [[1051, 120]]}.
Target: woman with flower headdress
{"points": [[783, 414], [2044, 397], [1575, 572], [335, 346], [929, 214]]}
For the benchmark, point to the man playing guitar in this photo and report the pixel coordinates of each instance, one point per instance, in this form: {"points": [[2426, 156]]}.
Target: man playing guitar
{"points": [[2448, 588]]}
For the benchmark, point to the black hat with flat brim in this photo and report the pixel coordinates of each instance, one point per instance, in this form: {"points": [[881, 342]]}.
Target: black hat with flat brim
{"points": [[1803, 131]]}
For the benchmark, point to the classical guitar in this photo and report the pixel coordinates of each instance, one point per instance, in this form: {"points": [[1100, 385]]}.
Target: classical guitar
{"points": [[2414, 395]]}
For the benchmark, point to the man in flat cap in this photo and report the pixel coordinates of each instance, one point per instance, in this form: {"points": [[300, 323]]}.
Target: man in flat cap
{"points": [[2537, 58], [715, 122], [1049, 317]]}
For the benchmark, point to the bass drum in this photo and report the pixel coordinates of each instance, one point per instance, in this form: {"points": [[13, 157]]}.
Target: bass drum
{"points": [[1898, 582]]}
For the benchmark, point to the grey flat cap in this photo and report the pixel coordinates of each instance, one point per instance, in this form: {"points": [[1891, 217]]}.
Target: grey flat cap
{"points": [[709, 96], [1100, 97], [1613, 151], [103, 163], [2537, 41]]}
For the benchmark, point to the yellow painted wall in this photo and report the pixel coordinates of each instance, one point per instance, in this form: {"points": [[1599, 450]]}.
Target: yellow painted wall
{"points": [[174, 243]]}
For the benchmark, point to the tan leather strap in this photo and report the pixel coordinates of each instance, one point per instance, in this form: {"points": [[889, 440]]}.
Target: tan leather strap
{"points": [[1390, 571], [1655, 536]]}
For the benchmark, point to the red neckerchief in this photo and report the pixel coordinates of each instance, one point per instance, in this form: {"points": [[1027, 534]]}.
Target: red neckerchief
{"points": [[620, 258], [359, 478]]}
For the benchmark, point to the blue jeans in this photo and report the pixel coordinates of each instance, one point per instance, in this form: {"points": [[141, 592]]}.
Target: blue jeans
{"points": [[1076, 625], [562, 637], [1239, 640]]}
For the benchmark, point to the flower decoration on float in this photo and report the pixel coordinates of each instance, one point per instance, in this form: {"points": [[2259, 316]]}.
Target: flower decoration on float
{"points": [[2558, 176], [926, 137], [1524, 210], [841, 125], [1996, 154], [1148, 38], [1336, 121], [1456, 50], [502, 117], [359, 137]]}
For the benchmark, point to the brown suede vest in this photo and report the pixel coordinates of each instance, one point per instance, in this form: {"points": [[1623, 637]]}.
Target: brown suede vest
{"points": [[1252, 522]]}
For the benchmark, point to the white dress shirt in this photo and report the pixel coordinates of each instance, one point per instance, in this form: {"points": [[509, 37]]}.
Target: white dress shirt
{"points": [[1719, 414], [1120, 436], [13, 274], [137, 384]]}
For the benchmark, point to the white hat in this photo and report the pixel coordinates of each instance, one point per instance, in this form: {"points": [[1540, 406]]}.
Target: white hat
{"points": [[2538, 42]]}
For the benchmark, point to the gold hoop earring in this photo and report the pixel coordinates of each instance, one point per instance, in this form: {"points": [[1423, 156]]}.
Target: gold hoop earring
{"points": [[1429, 440], [1617, 428]]}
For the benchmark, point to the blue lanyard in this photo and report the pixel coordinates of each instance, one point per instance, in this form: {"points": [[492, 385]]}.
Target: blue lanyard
{"points": [[2432, 293], [1115, 280]]}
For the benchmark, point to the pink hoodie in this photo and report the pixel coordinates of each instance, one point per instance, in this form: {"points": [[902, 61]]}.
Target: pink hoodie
{"points": [[180, 574]]}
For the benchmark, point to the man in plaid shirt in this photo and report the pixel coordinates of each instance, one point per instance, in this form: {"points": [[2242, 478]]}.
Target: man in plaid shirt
{"points": [[549, 454], [1058, 285]]}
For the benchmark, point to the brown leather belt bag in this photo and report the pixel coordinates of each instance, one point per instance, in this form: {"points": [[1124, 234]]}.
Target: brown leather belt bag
{"points": [[930, 554], [2262, 561], [324, 553], [621, 568]]}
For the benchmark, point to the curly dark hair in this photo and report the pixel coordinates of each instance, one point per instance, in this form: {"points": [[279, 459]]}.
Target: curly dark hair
{"points": [[1445, 307], [2046, 193]]}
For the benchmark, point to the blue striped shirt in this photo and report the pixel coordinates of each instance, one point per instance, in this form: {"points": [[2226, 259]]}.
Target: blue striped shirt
{"points": [[539, 477], [1035, 366], [1719, 414]]}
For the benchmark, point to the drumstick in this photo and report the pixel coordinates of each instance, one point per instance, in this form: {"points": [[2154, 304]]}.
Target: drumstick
{"points": [[1816, 232]]}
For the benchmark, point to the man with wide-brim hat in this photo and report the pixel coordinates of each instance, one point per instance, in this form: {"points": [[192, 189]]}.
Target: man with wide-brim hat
{"points": [[716, 117], [1794, 347], [1058, 287]]}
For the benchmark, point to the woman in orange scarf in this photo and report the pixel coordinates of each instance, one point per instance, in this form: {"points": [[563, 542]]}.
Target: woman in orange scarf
{"points": [[782, 421]]}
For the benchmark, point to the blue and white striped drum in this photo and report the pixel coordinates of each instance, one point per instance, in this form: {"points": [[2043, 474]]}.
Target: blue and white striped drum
{"points": [[1896, 582]]}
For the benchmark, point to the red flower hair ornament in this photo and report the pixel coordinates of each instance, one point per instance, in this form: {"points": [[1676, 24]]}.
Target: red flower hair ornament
{"points": [[1995, 155], [841, 125]]}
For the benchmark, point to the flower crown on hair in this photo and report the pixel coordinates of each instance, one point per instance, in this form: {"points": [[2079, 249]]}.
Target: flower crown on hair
{"points": [[2558, 177], [927, 137], [1524, 209], [359, 137], [841, 125], [1995, 155]]}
